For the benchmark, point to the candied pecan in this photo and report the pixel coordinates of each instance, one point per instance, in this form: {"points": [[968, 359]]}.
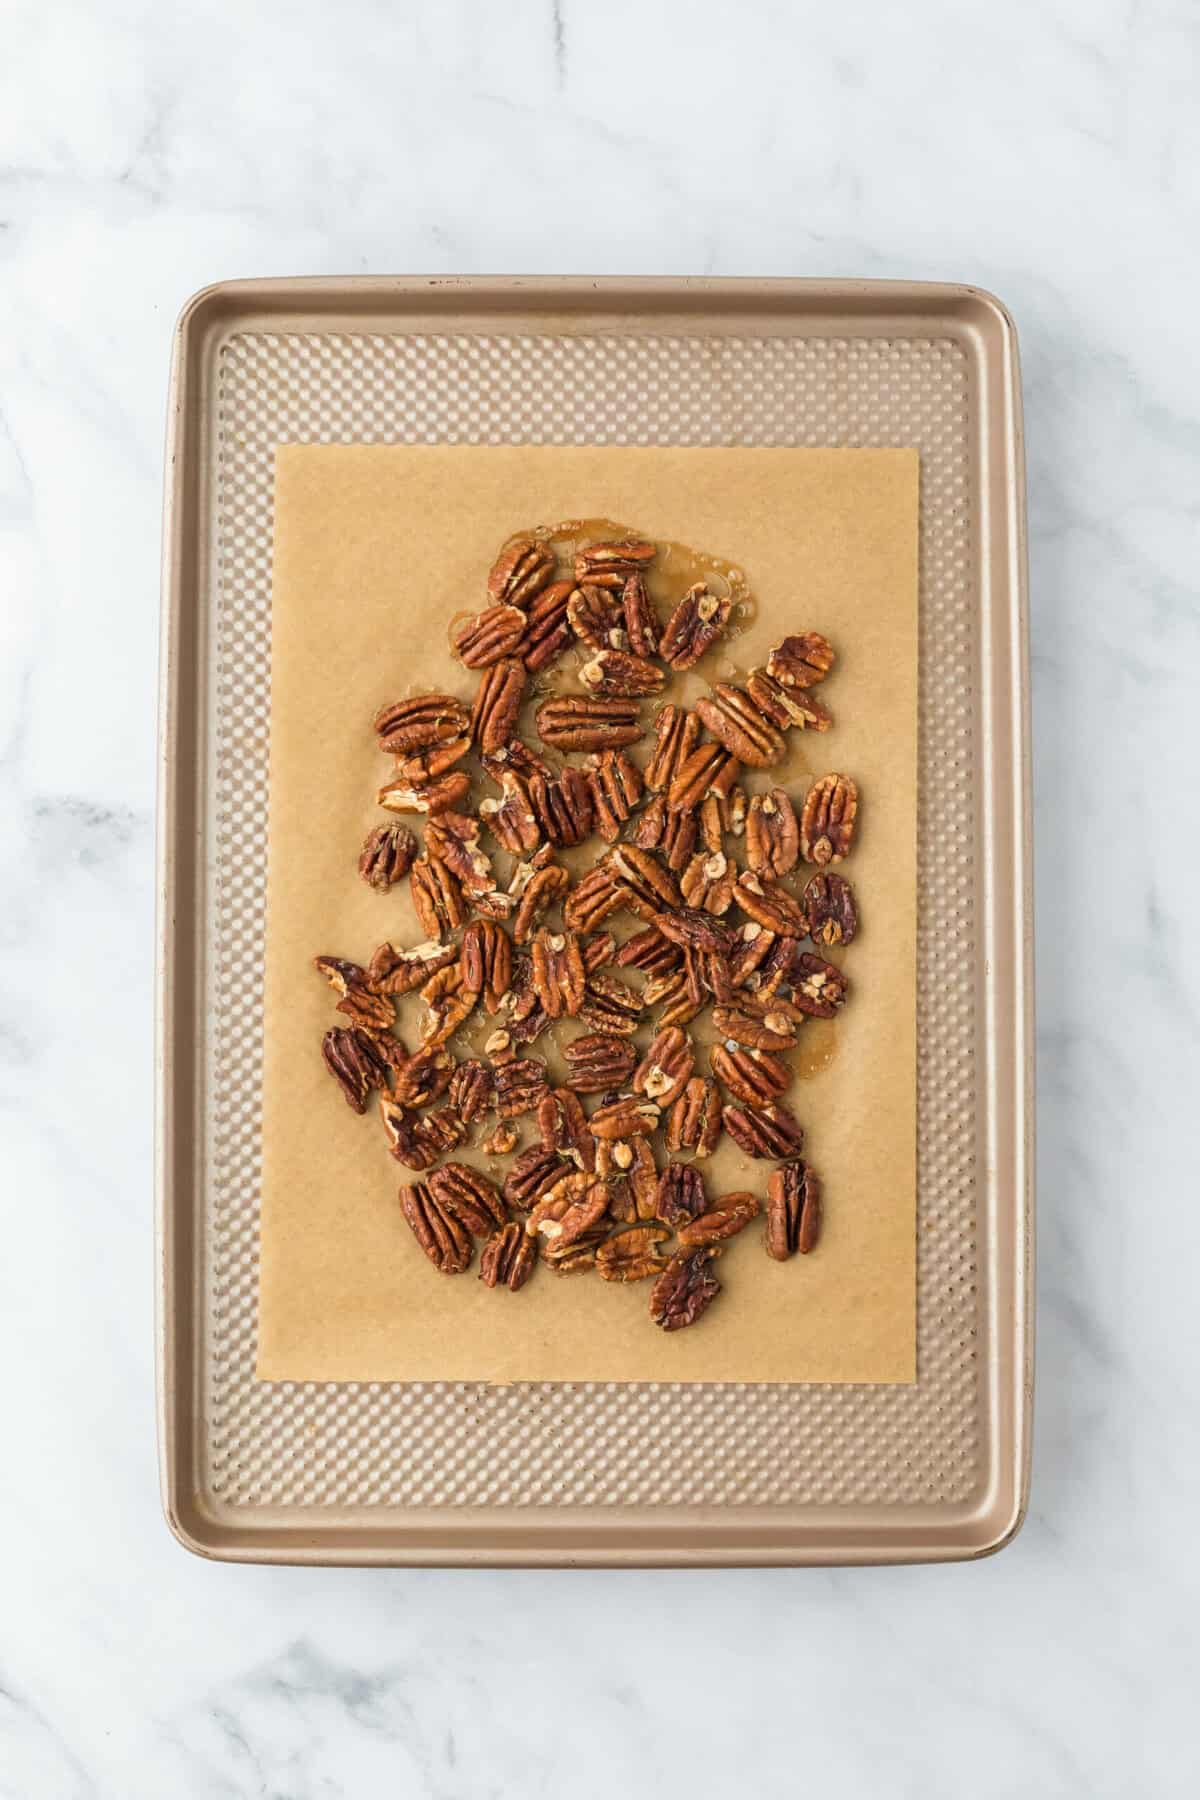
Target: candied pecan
{"points": [[757, 1027], [681, 1193], [611, 565], [709, 770], [485, 637], [355, 1060], [498, 704], [707, 882], [450, 1005], [562, 1125], [522, 569], [764, 1130], [694, 626], [424, 1077], [545, 886], [595, 617], [632, 1255], [387, 855], [664, 1071], [646, 888], [684, 1289], [418, 1139], [610, 1005], [641, 625], [769, 904], [521, 1085], [558, 973], [801, 661], [616, 672], [675, 734], [626, 1117], [453, 839], [502, 1140], [786, 707], [721, 814], [403, 796], [616, 784], [752, 948], [755, 1076], [627, 1166], [793, 1211], [599, 1062], [424, 766], [693, 929], [815, 987], [724, 1219], [827, 821], [547, 628], [585, 722], [444, 1241], [575, 1204], [772, 834], [562, 805], [508, 1258], [359, 1001], [472, 1090], [649, 951], [575, 1257], [437, 896], [830, 910], [533, 1173], [592, 900], [417, 724], [393, 971], [511, 819], [694, 1122], [485, 962], [468, 1196], [734, 720]]}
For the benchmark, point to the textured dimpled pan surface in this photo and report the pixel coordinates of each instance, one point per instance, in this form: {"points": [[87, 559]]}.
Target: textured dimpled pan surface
{"points": [[598, 1473]]}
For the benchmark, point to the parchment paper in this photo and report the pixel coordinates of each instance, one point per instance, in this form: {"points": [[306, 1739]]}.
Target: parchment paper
{"points": [[375, 550]]}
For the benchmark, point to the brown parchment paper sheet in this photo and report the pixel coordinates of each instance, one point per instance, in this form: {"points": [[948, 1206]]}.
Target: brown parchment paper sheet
{"points": [[376, 548]]}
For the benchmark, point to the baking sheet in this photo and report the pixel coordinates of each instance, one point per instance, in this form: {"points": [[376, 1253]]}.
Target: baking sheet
{"points": [[376, 548]]}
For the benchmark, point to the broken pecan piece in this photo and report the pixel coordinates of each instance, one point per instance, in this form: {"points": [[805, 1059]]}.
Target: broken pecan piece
{"points": [[830, 910], [757, 1027], [787, 707], [734, 720], [355, 1060], [772, 834], [709, 770], [681, 1193], [359, 1001], [592, 900], [444, 1241], [436, 896], [387, 855], [751, 950], [502, 1140], [694, 1122], [815, 987], [469, 1197], [609, 1005], [724, 1219], [628, 1116], [404, 796], [764, 1130], [722, 814], [641, 625], [646, 888], [583, 722], [575, 1204], [693, 929], [755, 1076], [472, 1090], [547, 628], [424, 766], [827, 821], [616, 784], [511, 819], [450, 1004], [632, 1255], [485, 637], [707, 882], [680, 994], [508, 1258], [599, 1063], [416, 724], [485, 962], [523, 568], [801, 661], [562, 1126], [620, 674], [575, 1257], [562, 805], [521, 1086], [453, 839], [597, 951], [649, 951], [558, 973], [394, 971], [611, 565], [418, 1139], [533, 1173], [594, 614], [664, 1071], [627, 1166], [793, 1211], [769, 904], [498, 704], [684, 1289], [544, 887], [423, 1077], [694, 627]]}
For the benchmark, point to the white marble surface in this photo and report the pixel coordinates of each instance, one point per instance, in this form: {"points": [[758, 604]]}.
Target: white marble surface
{"points": [[1050, 151]]}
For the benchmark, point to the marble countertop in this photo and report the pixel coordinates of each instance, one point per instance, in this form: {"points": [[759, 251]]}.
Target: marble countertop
{"points": [[1050, 152]]}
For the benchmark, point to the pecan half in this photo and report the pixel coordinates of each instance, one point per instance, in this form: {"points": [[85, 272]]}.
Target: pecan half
{"points": [[594, 614], [521, 1086], [485, 962], [707, 882], [547, 628], [646, 888], [533, 1173], [617, 672], [734, 720], [562, 1126], [418, 723], [469, 1197], [418, 1139], [694, 1122], [424, 766], [511, 819], [722, 815], [628, 1116], [681, 1193], [694, 627], [616, 784], [575, 1257], [664, 1071], [599, 1063], [627, 1166], [724, 1219], [632, 1255], [641, 625], [801, 661], [793, 1211], [516, 758], [450, 1004], [750, 952], [769, 904], [356, 1062], [558, 973], [583, 722], [424, 1077], [592, 900], [436, 896], [508, 1258], [395, 971], [523, 568], [830, 909], [597, 951], [649, 951], [787, 707], [609, 1005], [758, 1027], [575, 1204], [709, 770], [772, 834], [827, 821], [680, 995], [684, 1290], [544, 887], [498, 704], [359, 1001], [764, 1130], [387, 855], [472, 1090], [444, 1241], [755, 1076], [676, 732], [611, 565], [671, 833], [403, 796], [453, 839], [693, 929], [485, 637], [815, 987], [562, 805]]}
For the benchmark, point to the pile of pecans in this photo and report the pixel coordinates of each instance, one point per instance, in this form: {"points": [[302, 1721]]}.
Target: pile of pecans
{"points": [[743, 938]]}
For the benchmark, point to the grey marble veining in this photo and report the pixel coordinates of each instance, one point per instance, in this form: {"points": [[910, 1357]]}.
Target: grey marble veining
{"points": [[1048, 151]]}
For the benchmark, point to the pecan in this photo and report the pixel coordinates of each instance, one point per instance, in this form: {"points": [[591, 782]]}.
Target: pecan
{"points": [[440, 1236], [734, 720], [521, 1085], [558, 973], [592, 900], [755, 1076], [583, 722], [793, 1211], [772, 834], [469, 1197], [453, 839], [523, 568], [450, 1005], [511, 819], [420, 722], [827, 821], [562, 1125], [610, 1006], [403, 796], [575, 1257], [714, 972], [693, 929], [641, 626], [694, 626], [664, 1071], [675, 735], [756, 1027], [627, 1166], [599, 1063], [672, 833], [595, 617], [616, 672], [526, 1019], [597, 951], [575, 1204], [533, 1173], [356, 1062], [562, 805], [815, 987], [472, 1090], [437, 897], [786, 707], [830, 910], [387, 855], [681, 994], [801, 661], [684, 1289], [498, 704], [721, 814], [547, 628], [508, 1258], [626, 1117], [424, 1077], [393, 971], [616, 784], [485, 637], [424, 766], [753, 946], [694, 1122], [764, 1130], [359, 1001], [545, 886], [649, 951], [516, 758], [485, 962], [709, 770], [646, 888], [418, 1139], [611, 565], [681, 1193], [502, 1140], [632, 1255], [707, 882], [769, 904], [724, 1219]]}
